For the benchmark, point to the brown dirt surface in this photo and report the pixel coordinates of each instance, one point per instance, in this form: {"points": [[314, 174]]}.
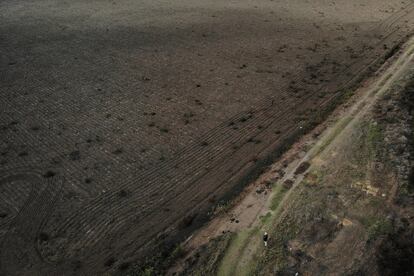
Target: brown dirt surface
{"points": [[123, 123], [349, 210]]}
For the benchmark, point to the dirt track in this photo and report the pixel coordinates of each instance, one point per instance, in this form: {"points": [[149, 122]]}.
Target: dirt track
{"points": [[121, 119], [256, 212]]}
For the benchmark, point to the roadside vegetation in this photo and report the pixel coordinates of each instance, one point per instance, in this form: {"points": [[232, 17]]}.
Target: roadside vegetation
{"points": [[351, 210]]}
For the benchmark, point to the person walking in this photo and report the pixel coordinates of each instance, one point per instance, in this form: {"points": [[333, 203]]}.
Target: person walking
{"points": [[265, 238]]}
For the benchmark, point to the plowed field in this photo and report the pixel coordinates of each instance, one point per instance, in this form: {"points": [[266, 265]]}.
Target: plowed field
{"points": [[123, 122]]}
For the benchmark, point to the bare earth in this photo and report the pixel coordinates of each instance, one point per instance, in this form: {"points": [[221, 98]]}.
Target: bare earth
{"points": [[372, 209], [122, 123]]}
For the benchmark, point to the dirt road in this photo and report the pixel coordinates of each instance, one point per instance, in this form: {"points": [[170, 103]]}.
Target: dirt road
{"points": [[259, 213]]}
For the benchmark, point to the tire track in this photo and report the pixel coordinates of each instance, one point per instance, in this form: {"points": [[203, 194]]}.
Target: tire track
{"points": [[198, 152], [176, 181], [18, 247], [127, 218]]}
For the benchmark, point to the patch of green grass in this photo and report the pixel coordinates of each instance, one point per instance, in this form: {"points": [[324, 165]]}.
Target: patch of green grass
{"points": [[367, 221], [374, 139], [276, 254], [238, 243], [279, 193], [265, 219], [379, 228], [348, 94], [376, 226], [177, 252], [149, 271], [377, 203], [338, 129]]}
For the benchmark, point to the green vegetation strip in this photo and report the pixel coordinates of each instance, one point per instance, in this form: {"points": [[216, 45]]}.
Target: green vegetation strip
{"points": [[247, 242]]}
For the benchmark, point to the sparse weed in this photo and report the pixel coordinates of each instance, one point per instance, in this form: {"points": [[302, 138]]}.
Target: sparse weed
{"points": [[379, 228], [374, 139]]}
